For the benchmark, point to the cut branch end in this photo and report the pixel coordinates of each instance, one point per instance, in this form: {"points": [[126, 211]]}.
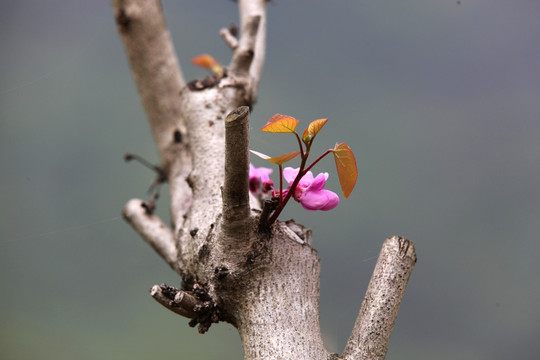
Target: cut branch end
{"points": [[178, 301], [236, 187]]}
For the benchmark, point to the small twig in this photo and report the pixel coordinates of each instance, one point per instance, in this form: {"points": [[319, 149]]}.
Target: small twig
{"points": [[155, 187], [229, 38], [143, 161], [161, 176]]}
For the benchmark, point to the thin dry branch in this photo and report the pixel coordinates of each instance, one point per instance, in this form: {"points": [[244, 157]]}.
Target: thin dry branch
{"points": [[370, 336], [153, 230], [229, 38]]}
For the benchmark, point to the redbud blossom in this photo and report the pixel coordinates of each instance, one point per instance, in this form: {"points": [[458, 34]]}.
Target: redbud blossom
{"points": [[309, 192], [258, 176]]}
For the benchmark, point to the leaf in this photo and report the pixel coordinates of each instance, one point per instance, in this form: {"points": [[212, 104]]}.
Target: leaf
{"points": [[261, 155], [209, 63], [306, 137], [280, 160], [280, 124], [346, 168], [315, 126]]}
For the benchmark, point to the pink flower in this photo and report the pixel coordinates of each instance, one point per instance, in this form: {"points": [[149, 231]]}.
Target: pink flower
{"points": [[309, 192], [258, 176]]}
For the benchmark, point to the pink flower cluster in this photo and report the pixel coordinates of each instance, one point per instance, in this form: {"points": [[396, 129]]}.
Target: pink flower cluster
{"points": [[309, 192]]}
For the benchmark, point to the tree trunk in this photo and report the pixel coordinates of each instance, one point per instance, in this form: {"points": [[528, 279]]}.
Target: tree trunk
{"points": [[262, 280]]}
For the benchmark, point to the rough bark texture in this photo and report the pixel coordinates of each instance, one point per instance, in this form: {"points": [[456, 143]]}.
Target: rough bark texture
{"points": [[265, 282]]}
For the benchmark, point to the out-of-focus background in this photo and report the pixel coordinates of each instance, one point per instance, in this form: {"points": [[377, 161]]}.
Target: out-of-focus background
{"points": [[440, 101]]}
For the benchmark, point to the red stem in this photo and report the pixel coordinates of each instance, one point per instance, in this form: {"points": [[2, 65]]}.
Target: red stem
{"points": [[301, 173], [300, 145], [319, 159], [280, 184], [292, 188]]}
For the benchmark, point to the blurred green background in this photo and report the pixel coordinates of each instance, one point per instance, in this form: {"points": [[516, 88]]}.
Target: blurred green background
{"points": [[440, 101]]}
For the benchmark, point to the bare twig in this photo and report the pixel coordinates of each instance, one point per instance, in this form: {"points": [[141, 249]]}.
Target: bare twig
{"points": [[229, 38], [373, 327], [153, 230]]}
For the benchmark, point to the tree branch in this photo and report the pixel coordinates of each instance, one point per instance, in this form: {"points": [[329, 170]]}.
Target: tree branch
{"points": [[236, 209], [153, 231], [153, 63], [245, 52], [159, 79], [248, 9], [373, 327]]}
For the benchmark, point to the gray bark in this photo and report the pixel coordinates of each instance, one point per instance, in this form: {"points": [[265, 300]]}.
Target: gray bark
{"points": [[263, 281]]}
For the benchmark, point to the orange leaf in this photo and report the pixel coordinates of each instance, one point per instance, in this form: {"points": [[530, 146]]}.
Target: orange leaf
{"points": [[315, 126], [209, 63], [280, 160], [346, 168], [280, 124]]}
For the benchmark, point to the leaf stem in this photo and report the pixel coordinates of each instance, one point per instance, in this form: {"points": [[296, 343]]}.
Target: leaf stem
{"points": [[302, 154], [280, 184], [319, 159], [292, 188]]}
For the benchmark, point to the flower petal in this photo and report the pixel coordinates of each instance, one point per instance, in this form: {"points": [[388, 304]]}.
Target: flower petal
{"points": [[290, 174], [319, 200], [318, 183], [254, 184], [307, 179], [258, 176], [333, 200]]}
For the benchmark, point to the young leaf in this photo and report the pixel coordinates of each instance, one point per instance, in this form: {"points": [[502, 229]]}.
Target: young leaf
{"points": [[209, 63], [280, 160], [306, 137], [346, 168], [315, 126], [261, 155], [280, 124]]}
